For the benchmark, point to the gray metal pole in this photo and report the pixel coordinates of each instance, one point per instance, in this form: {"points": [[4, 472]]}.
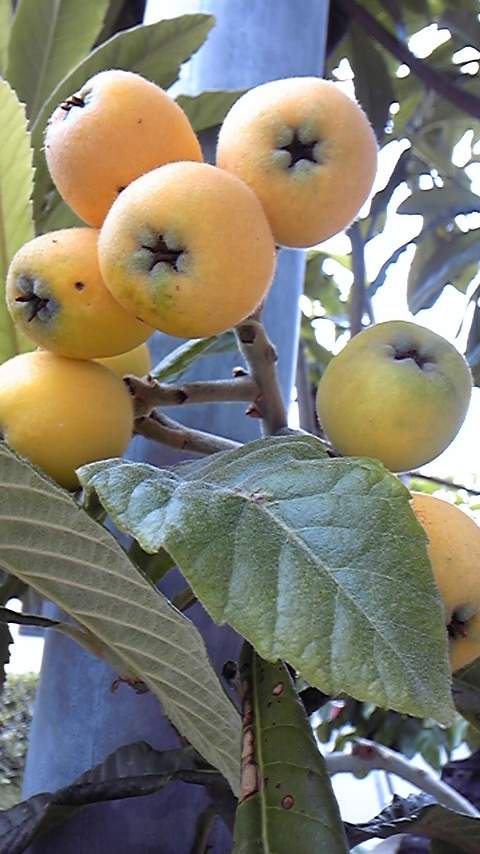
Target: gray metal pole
{"points": [[77, 720]]}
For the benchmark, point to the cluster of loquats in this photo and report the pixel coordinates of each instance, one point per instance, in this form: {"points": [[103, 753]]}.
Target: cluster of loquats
{"points": [[169, 243]]}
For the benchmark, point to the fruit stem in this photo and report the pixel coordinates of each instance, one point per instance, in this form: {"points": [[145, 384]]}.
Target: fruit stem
{"points": [[261, 357], [159, 428], [148, 393]]}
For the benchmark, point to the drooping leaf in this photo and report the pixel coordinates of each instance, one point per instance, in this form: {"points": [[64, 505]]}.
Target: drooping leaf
{"points": [[313, 560], [382, 198], [130, 771], [285, 790], [419, 814], [442, 203], [466, 692], [208, 109], [50, 543], [174, 364], [48, 38], [156, 51], [16, 223], [473, 345], [373, 86], [440, 258]]}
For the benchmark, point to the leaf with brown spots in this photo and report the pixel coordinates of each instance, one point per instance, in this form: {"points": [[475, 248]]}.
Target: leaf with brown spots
{"points": [[285, 790]]}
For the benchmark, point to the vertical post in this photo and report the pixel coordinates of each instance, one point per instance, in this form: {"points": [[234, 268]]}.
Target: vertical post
{"points": [[77, 720]]}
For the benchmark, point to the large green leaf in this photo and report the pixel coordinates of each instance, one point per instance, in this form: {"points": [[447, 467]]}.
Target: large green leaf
{"points": [[47, 541], [16, 223], [286, 791], [156, 51], [314, 560], [48, 38]]}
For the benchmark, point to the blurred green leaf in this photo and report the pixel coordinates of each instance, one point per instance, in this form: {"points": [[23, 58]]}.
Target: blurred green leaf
{"points": [[301, 554], [441, 203], [441, 257], [321, 287], [174, 364], [473, 345], [373, 87], [49, 37], [462, 20], [286, 791], [419, 814], [6, 16], [16, 223], [466, 692], [208, 109]]}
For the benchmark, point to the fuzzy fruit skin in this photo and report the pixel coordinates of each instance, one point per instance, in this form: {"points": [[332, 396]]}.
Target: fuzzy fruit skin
{"points": [[454, 551], [371, 402], [82, 319], [61, 413], [325, 190], [127, 126], [136, 362], [215, 223]]}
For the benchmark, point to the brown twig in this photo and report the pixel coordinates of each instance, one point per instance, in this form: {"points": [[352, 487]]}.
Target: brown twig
{"points": [[165, 430], [148, 393], [261, 357]]}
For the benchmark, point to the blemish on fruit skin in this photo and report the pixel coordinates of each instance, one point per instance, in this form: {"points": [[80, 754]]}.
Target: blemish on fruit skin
{"points": [[79, 286]]}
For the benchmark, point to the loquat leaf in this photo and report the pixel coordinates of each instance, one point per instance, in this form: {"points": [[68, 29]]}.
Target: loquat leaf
{"points": [[286, 791], [50, 543], [313, 560]]}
